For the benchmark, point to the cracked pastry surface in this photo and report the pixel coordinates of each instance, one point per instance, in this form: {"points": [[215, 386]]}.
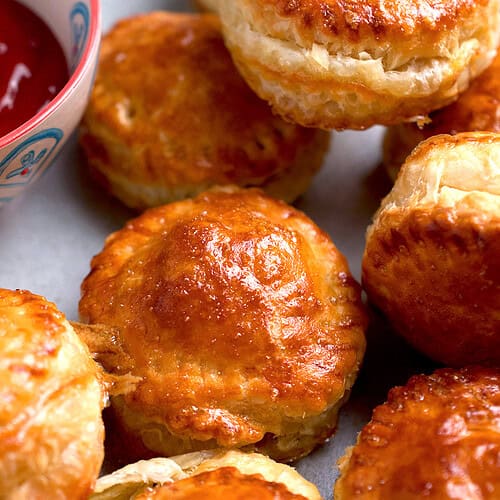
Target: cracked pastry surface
{"points": [[170, 116], [431, 258], [477, 109], [206, 474], [437, 437], [240, 315], [51, 430], [353, 64]]}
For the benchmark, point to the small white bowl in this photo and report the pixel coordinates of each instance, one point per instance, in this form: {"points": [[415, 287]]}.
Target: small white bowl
{"points": [[27, 151]]}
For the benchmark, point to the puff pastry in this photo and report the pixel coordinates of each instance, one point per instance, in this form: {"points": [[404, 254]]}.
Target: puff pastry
{"points": [[438, 437], [431, 262], [476, 109], [241, 317], [206, 474], [170, 116], [51, 430], [353, 64]]}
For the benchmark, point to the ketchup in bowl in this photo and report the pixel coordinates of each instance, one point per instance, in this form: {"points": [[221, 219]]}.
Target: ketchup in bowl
{"points": [[33, 68]]}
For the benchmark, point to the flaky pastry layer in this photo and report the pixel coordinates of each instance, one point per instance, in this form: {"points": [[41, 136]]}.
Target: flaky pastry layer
{"points": [[431, 259], [330, 64], [477, 109]]}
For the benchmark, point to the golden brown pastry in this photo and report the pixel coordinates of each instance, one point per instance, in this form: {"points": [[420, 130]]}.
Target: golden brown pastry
{"points": [[353, 64], [170, 116], [476, 109], [51, 397], [438, 437], [432, 257], [240, 315], [221, 484], [206, 474]]}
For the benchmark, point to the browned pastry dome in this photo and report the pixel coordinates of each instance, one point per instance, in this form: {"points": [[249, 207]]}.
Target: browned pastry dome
{"points": [[221, 484], [170, 116], [476, 109], [207, 474], [432, 257], [354, 63], [438, 437], [51, 430], [240, 315]]}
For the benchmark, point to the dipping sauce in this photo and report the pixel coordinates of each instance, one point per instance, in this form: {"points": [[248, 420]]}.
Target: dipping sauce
{"points": [[33, 67]]}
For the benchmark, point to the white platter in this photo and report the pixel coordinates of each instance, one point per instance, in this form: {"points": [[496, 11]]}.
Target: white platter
{"points": [[49, 235]]}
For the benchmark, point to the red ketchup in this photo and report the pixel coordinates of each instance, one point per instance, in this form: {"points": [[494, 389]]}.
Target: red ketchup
{"points": [[33, 68]]}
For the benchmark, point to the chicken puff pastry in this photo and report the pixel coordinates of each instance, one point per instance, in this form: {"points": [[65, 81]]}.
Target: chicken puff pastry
{"points": [[476, 109], [51, 430], [206, 474], [432, 257], [352, 64], [170, 116], [241, 317], [438, 438]]}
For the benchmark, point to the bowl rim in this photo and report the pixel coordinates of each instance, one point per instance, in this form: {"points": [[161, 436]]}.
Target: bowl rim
{"points": [[73, 81]]}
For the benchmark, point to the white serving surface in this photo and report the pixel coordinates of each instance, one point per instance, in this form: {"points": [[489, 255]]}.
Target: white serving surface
{"points": [[49, 234]]}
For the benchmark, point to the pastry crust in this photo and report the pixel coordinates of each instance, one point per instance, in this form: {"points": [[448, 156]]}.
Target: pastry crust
{"points": [[240, 315], [207, 474], [169, 117], [221, 484], [353, 64], [431, 262], [51, 430], [477, 109], [438, 437]]}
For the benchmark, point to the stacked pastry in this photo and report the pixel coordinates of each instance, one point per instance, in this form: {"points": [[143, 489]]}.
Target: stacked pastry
{"points": [[432, 265], [241, 319], [236, 313], [227, 320], [477, 109]]}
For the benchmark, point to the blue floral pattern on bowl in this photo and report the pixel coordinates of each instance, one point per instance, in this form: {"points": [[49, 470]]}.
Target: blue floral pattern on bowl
{"points": [[79, 19], [26, 161]]}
